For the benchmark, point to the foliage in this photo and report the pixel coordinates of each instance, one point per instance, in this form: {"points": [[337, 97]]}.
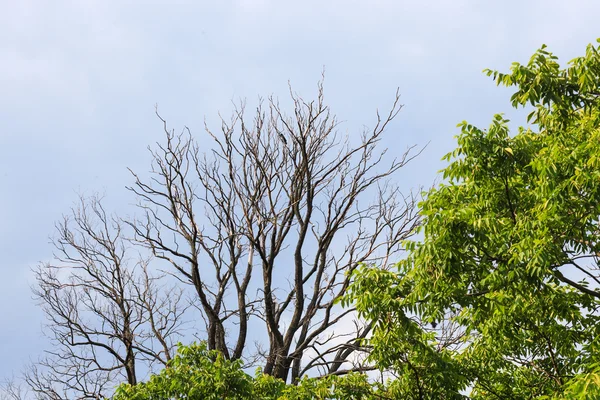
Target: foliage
{"points": [[198, 373], [421, 358], [500, 297], [194, 373]]}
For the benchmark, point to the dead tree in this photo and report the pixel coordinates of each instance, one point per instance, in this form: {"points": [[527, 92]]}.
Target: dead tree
{"points": [[13, 389], [107, 315], [267, 219]]}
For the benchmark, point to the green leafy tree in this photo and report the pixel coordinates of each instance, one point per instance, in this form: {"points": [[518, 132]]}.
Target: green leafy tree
{"points": [[500, 298], [194, 373], [198, 373]]}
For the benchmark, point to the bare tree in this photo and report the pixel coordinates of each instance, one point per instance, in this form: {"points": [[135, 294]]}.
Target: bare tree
{"points": [[107, 316], [267, 225], [13, 389]]}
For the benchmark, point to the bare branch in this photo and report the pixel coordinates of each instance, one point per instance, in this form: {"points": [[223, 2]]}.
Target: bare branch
{"points": [[268, 222]]}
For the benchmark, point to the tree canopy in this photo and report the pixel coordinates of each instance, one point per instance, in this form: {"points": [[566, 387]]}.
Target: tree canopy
{"points": [[500, 298], [198, 373]]}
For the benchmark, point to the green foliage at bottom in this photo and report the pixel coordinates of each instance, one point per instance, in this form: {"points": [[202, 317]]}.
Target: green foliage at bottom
{"points": [[198, 373]]}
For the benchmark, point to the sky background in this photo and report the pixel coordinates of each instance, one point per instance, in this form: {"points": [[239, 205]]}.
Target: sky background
{"points": [[79, 81]]}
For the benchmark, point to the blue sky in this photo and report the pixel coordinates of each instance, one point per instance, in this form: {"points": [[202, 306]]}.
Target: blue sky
{"points": [[79, 81]]}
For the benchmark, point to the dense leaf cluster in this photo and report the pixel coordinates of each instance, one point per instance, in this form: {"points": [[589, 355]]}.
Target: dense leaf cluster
{"points": [[198, 373], [508, 261]]}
